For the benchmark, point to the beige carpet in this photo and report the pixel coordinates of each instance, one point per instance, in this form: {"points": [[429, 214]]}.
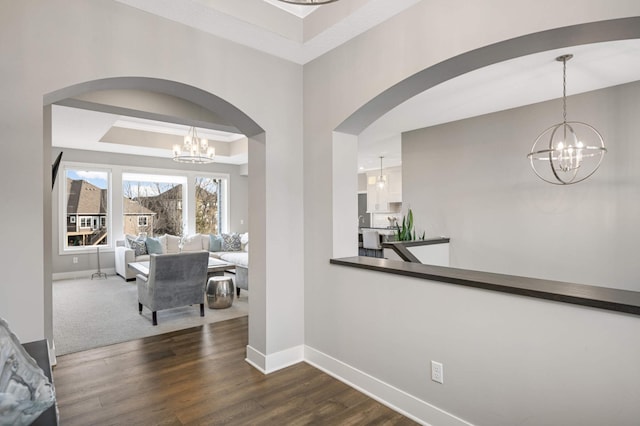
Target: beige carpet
{"points": [[92, 313]]}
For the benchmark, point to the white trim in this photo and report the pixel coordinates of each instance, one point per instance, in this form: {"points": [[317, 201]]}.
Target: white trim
{"points": [[270, 363], [394, 398], [62, 207], [79, 274]]}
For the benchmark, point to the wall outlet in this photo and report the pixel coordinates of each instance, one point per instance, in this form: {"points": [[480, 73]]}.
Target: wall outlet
{"points": [[437, 372], [75, 259]]}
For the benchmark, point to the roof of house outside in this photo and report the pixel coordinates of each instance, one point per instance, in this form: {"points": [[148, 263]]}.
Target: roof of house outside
{"points": [[85, 198]]}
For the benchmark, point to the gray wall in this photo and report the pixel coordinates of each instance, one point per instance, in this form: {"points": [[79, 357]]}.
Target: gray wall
{"points": [[508, 360], [238, 199], [471, 180], [80, 41]]}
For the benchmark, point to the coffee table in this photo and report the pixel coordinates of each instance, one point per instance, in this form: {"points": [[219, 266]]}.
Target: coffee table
{"points": [[216, 267]]}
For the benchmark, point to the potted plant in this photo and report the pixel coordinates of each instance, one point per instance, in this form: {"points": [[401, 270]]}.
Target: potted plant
{"points": [[406, 232]]}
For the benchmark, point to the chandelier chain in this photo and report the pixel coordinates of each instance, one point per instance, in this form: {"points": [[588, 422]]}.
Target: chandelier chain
{"points": [[564, 90]]}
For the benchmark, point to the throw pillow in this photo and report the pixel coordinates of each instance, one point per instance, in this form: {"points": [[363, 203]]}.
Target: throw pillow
{"points": [[154, 246], [215, 242], [244, 240], [139, 247], [137, 244], [192, 243], [231, 242], [173, 243], [127, 240]]}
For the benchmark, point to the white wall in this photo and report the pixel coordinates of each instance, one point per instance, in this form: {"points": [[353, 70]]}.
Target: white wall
{"points": [[507, 359], [237, 197], [471, 180], [48, 46]]}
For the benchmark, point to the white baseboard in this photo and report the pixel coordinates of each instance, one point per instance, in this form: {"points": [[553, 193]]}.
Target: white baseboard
{"points": [[79, 274], [276, 361], [394, 398]]}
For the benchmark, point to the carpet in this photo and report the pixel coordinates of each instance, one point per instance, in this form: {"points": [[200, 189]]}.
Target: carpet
{"points": [[92, 313]]}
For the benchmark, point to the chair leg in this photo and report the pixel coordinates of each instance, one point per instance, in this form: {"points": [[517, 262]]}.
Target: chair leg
{"points": [[154, 316], [238, 291], [202, 309], [140, 308]]}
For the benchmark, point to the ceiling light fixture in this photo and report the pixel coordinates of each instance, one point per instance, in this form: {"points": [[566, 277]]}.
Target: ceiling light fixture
{"points": [[381, 182], [193, 150], [308, 2], [571, 159]]}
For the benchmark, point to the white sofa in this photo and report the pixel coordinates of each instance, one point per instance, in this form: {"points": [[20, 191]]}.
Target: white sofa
{"points": [[172, 244]]}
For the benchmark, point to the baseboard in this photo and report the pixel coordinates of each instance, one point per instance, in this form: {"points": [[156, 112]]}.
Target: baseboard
{"points": [[394, 398], [79, 274], [276, 361]]}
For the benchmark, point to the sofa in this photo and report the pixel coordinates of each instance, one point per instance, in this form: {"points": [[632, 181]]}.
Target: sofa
{"points": [[232, 248]]}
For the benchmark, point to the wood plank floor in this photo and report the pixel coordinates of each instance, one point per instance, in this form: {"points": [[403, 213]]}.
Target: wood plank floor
{"points": [[199, 376]]}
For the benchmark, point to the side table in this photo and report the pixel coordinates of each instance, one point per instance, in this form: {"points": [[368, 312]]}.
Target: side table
{"points": [[220, 292]]}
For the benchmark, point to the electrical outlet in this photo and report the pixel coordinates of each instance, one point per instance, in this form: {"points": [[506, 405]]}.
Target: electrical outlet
{"points": [[75, 259], [437, 372]]}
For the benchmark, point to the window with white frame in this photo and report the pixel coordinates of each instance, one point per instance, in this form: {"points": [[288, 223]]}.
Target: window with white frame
{"points": [[153, 202], [143, 221], [85, 195], [156, 195]]}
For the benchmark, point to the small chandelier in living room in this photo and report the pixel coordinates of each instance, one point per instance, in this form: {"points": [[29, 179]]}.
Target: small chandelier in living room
{"points": [[308, 2], [568, 152], [194, 150]]}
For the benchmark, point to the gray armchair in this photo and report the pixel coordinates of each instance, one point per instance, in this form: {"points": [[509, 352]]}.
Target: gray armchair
{"points": [[174, 280]]}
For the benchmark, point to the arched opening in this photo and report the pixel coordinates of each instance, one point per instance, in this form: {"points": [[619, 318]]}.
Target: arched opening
{"points": [[345, 170], [232, 119]]}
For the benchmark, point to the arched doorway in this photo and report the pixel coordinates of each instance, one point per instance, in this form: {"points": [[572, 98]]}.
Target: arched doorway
{"points": [[228, 113]]}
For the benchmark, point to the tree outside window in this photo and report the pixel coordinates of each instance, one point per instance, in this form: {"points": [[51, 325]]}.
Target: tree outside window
{"points": [[207, 205], [151, 204]]}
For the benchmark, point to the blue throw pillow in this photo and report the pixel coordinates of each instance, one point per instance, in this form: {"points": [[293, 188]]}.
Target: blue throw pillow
{"points": [[154, 246], [215, 242]]}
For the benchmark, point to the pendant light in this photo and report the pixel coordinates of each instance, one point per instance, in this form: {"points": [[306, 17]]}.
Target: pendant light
{"points": [[568, 152], [381, 182]]}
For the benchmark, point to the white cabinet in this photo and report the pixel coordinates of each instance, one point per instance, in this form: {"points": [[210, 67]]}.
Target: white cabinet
{"points": [[378, 199]]}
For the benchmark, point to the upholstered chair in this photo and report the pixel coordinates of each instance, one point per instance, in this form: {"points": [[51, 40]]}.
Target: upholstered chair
{"points": [[174, 280]]}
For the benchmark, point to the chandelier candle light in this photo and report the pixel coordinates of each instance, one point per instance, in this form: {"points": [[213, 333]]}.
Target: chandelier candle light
{"points": [[570, 159], [194, 150]]}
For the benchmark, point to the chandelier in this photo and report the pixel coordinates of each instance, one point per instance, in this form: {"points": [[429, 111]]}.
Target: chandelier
{"points": [[381, 182], [561, 157], [308, 2], [193, 149]]}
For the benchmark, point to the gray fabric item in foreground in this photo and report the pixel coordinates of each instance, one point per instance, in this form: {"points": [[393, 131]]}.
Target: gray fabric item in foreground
{"points": [[174, 280]]}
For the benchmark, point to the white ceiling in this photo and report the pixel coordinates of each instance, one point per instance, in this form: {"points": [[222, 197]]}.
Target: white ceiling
{"points": [[302, 33], [510, 84]]}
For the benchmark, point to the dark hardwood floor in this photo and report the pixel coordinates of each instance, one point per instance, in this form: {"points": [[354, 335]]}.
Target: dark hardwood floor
{"points": [[199, 376]]}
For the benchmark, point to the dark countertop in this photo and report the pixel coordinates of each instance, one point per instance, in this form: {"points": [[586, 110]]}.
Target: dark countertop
{"points": [[578, 294]]}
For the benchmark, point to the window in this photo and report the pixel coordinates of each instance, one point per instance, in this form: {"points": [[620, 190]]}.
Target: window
{"points": [[207, 205], [143, 220], [85, 222], [85, 197], [152, 204]]}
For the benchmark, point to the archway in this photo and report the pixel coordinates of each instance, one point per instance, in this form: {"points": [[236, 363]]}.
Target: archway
{"points": [[212, 103], [346, 133]]}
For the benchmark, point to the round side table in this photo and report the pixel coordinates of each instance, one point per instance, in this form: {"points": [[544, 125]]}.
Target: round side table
{"points": [[220, 292]]}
